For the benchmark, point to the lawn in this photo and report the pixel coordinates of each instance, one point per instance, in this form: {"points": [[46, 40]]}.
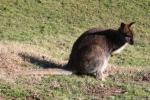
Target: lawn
{"points": [[49, 28]]}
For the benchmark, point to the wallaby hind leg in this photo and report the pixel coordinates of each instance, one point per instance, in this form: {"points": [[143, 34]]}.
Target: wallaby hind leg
{"points": [[100, 72], [101, 76]]}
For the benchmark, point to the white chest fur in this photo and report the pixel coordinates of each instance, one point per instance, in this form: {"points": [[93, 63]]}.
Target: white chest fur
{"points": [[120, 49]]}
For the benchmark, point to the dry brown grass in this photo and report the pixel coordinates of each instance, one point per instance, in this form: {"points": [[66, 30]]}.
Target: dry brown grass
{"points": [[12, 64], [102, 91]]}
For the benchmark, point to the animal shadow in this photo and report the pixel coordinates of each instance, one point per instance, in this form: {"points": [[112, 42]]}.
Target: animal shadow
{"points": [[41, 61]]}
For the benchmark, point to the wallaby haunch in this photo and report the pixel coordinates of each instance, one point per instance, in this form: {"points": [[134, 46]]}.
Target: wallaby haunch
{"points": [[91, 51]]}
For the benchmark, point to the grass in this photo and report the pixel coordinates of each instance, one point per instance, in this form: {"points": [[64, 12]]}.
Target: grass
{"points": [[56, 24]]}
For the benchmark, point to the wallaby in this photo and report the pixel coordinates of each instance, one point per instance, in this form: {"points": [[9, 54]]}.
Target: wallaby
{"points": [[91, 51]]}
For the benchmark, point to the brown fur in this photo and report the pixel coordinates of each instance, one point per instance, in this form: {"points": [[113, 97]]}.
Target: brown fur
{"points": [[91, 51]]}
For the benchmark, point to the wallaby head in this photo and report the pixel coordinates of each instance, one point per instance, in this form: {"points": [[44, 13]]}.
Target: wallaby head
{"points": [[127, 32]]}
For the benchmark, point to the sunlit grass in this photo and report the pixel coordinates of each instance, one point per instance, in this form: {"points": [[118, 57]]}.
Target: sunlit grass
{"points": [[56, 24]]}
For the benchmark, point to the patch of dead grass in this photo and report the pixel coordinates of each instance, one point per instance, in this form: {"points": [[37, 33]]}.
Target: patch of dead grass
{"points": [[12, 65], [2, 97], [123, 74], [142, 76], [102, 91]]}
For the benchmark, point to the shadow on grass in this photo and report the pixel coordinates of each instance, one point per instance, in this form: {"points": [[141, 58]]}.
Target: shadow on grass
{"points": [[42, 61], [46, 63]]}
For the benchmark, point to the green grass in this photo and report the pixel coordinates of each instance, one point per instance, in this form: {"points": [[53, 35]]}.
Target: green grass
{"points": [[56, 24], [73, 87]]}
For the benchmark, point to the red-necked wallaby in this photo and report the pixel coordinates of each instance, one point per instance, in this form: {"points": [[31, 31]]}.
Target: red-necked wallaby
{"points": [[91, 51]]}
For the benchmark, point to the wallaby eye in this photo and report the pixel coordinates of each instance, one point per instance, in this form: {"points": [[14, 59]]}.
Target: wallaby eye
{"points": [[126, 35]]}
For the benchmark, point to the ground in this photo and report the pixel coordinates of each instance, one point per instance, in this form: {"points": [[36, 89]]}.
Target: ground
{"points": [[25, 74], [36, 36]]}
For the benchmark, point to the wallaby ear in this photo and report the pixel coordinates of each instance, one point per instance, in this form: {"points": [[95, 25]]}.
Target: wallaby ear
{"points": [[122, 25], [131, 24]]}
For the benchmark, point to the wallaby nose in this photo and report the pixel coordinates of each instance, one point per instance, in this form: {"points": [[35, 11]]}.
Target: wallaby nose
{"points": [[131, 42]]}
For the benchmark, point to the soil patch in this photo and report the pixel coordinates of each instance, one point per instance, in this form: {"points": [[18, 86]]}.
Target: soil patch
{"points": [[103, 91], [2, 97], [124, 74], [143, 76]]}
